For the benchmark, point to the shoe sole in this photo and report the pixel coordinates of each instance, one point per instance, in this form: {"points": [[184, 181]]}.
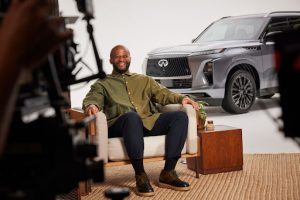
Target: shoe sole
{"points": [[144, 194], [164, 185]]}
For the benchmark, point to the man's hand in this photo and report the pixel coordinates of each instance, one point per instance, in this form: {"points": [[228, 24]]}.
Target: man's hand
{"points": [[187, 100], [91, 110]]}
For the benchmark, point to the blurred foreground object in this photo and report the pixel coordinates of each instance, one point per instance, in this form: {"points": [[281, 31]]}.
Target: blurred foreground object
{"points": [[287, 56], [45, 153]]}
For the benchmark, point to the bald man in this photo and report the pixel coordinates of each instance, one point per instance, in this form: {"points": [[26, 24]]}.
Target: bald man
{"points": [[129, 103]]}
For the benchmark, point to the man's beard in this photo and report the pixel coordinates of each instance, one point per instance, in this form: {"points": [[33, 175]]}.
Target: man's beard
{"points": [[119, 70]]}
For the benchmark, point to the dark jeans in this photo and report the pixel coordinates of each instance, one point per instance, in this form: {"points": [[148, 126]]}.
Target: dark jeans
{"points": [[130, 127]]}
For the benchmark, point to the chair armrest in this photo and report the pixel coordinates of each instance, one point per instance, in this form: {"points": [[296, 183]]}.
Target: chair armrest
{"points": [[102, 137], [98, 131], [78, 114], [75, 113], [191, 140]]}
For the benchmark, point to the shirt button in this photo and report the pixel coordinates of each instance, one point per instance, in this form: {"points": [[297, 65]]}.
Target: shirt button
{"points": [[129, 93], [126, 82], [136, 108], [132, 102]]}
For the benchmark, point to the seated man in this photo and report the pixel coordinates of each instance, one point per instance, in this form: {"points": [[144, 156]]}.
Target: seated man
{"points": [[128, 100]]}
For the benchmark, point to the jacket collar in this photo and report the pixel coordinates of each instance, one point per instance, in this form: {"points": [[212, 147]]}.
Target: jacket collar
{"points": [[115, 73]]}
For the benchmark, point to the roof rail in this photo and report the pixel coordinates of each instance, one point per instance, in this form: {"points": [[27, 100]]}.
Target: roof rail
{"points": [[268, 14], [225, 17]]}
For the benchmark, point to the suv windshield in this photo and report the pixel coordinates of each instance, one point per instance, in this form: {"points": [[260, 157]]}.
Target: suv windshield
{"points": [[232, 29]]}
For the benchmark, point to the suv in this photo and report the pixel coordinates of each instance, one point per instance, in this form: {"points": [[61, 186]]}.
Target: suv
{"points": [[230, 63]]}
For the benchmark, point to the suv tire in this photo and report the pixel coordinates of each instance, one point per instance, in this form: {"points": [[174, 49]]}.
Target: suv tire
{"points": [[240, 92]]}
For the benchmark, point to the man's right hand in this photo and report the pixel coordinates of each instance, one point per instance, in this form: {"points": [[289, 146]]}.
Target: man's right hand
{"points": [[91, 110]]}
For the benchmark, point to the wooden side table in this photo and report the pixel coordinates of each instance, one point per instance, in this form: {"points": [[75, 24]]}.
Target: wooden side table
{"points": [[220, 150]]}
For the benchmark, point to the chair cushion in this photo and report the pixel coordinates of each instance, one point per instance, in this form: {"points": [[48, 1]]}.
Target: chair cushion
{"points": [[154, 146]]}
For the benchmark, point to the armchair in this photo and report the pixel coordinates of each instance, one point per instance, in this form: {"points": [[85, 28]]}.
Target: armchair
{"points": [[112, 150]]}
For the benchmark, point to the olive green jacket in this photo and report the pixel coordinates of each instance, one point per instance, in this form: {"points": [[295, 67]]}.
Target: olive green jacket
{"points": [[121, 93]]}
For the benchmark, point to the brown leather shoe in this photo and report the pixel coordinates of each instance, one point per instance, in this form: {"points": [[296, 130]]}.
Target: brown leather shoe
{"points": [[143, 186], [169, 179]]}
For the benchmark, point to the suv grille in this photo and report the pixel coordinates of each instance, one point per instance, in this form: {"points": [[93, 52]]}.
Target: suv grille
{"points": [[175, 83], [168, 67]]}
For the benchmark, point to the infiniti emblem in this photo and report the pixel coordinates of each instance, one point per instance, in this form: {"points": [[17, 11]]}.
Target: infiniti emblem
{"points": [[163, 63]]}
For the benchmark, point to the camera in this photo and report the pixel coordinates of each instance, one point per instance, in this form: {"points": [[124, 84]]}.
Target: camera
{"points": [[45, 154]]}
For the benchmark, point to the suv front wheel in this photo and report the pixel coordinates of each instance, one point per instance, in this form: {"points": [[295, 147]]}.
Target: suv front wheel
{"points": [[240, 92]]}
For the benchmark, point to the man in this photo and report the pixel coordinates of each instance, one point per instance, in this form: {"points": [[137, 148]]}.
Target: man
{"points": [[26, 37], [128, 100]]}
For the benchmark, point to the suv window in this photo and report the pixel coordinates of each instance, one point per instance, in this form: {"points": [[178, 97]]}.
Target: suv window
{"points": [[278, 24], [232, 29], [294, 22], [284, 24]]}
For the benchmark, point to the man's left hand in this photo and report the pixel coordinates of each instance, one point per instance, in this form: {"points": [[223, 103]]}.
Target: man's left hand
{"points": [[187, 100]]}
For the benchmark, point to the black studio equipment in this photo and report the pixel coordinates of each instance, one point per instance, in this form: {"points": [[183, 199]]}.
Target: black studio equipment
{"points": [[44, 155], [287, 58]]}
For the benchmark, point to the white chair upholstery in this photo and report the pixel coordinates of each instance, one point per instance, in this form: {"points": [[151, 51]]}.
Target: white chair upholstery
{"points": [[113, 149]]}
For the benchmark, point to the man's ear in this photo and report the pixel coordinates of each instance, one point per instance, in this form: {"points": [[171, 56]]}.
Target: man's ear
{"points": [[110, 61]]}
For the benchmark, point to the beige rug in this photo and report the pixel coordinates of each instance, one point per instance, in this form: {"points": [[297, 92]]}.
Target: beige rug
{"points": [[264, 176]]}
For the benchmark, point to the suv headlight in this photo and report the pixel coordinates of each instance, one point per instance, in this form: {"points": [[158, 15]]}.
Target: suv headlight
{"points": [[214, 51]]}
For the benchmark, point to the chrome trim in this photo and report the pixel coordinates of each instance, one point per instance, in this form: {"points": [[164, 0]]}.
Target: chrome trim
{"points": [[174, 77], [212, 92]]}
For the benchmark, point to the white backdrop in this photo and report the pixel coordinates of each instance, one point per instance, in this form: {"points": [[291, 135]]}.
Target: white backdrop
{"points": [[143, 25]]}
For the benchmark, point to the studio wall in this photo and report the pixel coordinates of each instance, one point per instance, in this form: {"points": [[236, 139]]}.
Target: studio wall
{"points": [[143, 25]]}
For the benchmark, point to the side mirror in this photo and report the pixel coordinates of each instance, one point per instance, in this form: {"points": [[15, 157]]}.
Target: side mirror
{"points": [[270, 36]]}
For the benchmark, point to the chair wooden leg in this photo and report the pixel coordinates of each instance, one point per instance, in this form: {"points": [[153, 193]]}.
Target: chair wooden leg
{"points": [[89, 185], [78, 191], [197, 166], [84, 188]]}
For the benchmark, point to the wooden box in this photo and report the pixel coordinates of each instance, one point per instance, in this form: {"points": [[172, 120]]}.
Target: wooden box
{"points": [[220, 150]]}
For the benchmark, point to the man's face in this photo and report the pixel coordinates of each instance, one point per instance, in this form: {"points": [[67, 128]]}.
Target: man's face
{"points": [[120, 59]]}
